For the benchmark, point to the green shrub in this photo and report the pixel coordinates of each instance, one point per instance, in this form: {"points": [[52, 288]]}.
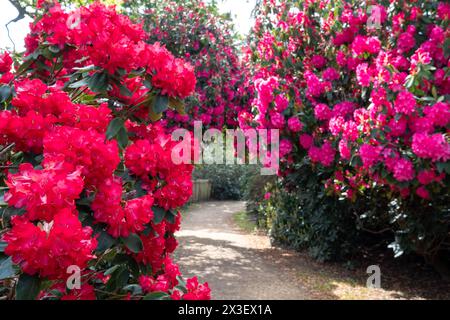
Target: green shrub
{"points": [[227, 181]]}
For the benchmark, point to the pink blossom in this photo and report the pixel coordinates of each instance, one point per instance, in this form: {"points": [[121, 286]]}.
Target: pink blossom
{"points": [[423, 193], [318, 61], [294, 124], [330, 74], [439, 113], [350, 130], [406, 41], [370, 155], [405, 103], [306, 141], [322, 112], [281, 103], [344, 150], [403, 170], [426, 176], [277, 120], [285, 147], [335, 125], [434, 147], [363, 74], [327, 154]]}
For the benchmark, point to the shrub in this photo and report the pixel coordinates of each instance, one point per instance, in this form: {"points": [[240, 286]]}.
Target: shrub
{"points": [[90, 183], [304, 217], [227, 181], [361, 92]]}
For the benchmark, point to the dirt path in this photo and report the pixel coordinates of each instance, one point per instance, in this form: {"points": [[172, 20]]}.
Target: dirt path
{"points": [[236, 265]]}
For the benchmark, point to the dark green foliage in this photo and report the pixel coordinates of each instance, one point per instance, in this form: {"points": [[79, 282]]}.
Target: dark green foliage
{"points": [[227, 180], [305, 218]]}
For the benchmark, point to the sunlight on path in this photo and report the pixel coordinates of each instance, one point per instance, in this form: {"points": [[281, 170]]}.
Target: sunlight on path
{"points": [[236, 265]]}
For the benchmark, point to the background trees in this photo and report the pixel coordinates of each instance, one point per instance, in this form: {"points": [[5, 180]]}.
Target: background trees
{"points": [[197, 31]]}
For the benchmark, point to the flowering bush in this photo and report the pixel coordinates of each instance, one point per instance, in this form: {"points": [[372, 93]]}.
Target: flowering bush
{"points": [[90, 184], [206, 39], [360, 93]]}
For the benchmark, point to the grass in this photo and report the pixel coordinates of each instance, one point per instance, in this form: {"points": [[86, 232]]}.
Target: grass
{"points": [[244, 221]]}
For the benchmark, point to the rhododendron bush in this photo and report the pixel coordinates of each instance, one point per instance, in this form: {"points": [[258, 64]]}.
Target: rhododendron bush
{"points": [[90, 186], [196, 31], [359, 90]]}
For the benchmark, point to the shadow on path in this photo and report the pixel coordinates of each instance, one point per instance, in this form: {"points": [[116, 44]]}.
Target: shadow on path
{"points": [[235, 265]]}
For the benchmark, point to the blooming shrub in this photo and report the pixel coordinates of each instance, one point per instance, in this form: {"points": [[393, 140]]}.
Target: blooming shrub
{"points": [[206, 39], [83, 187], [365, 89]]}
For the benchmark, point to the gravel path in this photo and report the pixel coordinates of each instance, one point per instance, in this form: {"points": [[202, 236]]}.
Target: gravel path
{"points": [[236, 265]]}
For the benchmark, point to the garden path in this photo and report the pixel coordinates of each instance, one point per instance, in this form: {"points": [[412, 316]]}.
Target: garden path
{"points": [[235, 264]]}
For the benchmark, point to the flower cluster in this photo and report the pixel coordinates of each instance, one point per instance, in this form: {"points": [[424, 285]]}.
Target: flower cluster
{"points": [[48, 250], [367, 85], [107, 39], [90, 182], [356, 100]]}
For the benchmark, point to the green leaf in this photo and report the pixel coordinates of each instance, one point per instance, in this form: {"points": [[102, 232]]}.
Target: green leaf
{"points": [[135, 289], [114, 127], [122, 138], [119, 279], [443, 166], [447, 47], [81, 83], [3, 246], [157, 295], [5, 93], [98, 82], [6, 267], [409, 81], [158, 214], [161, 103], [88, 68], [177, 105], [133, 243], [24, 66], [125, 91], [28, 287], [111, 270], [170, 216], [105, 241], [53, 49]]}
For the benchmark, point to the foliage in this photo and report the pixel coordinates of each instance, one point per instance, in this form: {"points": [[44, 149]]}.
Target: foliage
{"points": [[90, 184]]}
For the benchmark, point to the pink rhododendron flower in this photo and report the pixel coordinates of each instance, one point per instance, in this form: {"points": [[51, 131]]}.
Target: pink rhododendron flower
{"points": [[434, 147], [403, 170], [294, 124], [370, 155], [405, 103], [322, 112]]}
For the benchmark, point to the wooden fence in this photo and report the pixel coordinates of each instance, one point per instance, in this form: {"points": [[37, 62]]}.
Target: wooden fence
{"points": [[201, 190]]}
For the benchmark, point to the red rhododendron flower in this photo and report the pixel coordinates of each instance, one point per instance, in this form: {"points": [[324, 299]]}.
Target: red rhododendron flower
{"points": [[49, 251], [43, 193], [5, 62], [86, 149], [196, 291], [121, 219]]}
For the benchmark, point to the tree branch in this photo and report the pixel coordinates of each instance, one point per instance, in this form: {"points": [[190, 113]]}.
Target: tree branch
{"points": [[21, 14]]}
